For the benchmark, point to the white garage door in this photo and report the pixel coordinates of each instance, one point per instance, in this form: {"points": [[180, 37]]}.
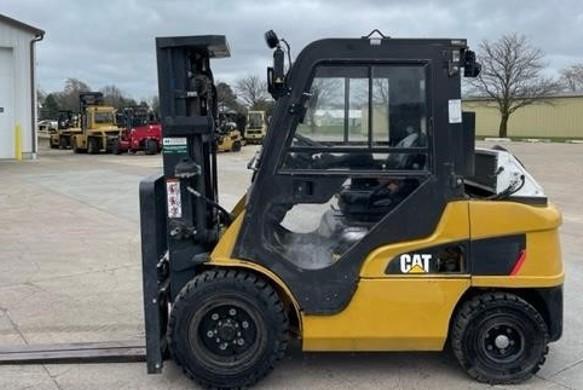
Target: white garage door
{"points": [[6, 103]]}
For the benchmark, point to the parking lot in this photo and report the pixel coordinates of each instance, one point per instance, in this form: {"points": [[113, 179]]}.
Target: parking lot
{"points": [[71, 272]]}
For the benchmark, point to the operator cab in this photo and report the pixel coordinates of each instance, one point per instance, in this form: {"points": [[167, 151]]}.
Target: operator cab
{"points": [[359, 143]]}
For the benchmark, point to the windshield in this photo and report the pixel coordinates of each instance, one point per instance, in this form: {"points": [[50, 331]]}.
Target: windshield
{"points": [[357, 107], [103, 117], [255, 121]]}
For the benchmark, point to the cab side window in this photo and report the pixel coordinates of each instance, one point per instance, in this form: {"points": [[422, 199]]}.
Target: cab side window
{"points": [[363, 118], [360, 149]]}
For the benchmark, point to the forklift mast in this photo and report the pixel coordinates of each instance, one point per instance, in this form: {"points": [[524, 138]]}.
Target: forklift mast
{"points": [[90, 99], [188, 108], [180, 215]]}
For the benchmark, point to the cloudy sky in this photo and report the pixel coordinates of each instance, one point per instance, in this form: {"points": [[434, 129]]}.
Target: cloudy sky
{"points": [[112, 41]]}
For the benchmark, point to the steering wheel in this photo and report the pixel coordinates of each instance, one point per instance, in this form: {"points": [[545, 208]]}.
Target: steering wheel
{"points": [[400, 160], [305, 141]]}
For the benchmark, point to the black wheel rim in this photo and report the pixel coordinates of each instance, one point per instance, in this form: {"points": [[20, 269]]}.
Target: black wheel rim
{"points": [[502, 341], [226, 333]]}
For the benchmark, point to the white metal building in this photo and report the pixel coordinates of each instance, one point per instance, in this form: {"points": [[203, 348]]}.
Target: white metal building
{"points": [[17, 88]]}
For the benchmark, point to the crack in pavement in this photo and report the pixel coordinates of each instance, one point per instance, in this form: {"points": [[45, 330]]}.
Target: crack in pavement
{"points": [[72, 275], [25, 340]]}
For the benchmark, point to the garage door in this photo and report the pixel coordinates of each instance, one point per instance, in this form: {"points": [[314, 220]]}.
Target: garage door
{"points": [[6, 103]]}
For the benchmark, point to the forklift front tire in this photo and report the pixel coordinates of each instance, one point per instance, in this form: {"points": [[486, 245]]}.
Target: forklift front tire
{"points": [[228, 329], [499, 338], [151, 147], [236, 146]]}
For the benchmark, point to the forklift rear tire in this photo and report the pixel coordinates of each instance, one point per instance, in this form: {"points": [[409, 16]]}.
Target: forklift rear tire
{"points": [[499, 338], [74, 146], [151, 147], [228, 329], [93, 146], [116, 147], [236, 146]]}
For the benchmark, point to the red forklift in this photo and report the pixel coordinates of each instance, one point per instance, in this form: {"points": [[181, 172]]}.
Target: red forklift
{"points": [[142, 131]]}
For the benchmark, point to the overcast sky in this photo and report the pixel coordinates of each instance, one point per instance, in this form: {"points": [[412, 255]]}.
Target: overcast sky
{"points": [[112, 41]]}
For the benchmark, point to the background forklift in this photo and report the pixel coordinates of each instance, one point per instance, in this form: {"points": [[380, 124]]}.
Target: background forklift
{"points": [[141, 131], [229, 138], [98, 127], [256, 127], [68, 124], [382, 231]]}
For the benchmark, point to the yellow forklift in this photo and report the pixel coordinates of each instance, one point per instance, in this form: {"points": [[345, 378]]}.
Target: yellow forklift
{"points": [[99, 131], [229, 138], [377, 228], [384, 230], [256, 127], [68, 124]]}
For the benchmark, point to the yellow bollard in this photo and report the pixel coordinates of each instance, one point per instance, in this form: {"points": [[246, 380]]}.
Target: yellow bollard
{"points": [[18, 142]]}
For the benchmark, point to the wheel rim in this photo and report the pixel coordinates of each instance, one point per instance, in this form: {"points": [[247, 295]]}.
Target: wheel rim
{"points": [[502, 341], [226, 333]]}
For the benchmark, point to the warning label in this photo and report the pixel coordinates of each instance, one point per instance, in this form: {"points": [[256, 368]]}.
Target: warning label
{"points": [[175, 145], [174, 200]]}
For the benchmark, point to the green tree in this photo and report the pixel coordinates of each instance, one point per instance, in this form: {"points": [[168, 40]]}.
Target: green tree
{"points": [[51, 107]]}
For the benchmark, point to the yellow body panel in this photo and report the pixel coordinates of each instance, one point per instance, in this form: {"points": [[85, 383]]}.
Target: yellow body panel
{"points": [[221, 257], [453, 226], [496, 218], [543, 266], [390, 314], [413, 312]]}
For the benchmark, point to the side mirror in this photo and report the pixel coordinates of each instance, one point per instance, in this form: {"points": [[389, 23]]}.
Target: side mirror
{"points": [[276, 73], [471, 67], [271, 39]]}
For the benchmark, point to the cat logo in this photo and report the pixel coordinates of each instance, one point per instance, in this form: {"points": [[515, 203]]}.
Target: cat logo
{"points": [[415, 264]]}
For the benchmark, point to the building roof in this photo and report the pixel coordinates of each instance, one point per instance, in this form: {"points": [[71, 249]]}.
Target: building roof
{"points": [[20, 25], [563, 94]]}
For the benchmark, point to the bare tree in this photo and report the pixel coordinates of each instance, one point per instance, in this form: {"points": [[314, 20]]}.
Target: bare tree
{"points": [[324, 91], [68, 99], [572, 78], [512, 76], [252, 91], [115, 97]]}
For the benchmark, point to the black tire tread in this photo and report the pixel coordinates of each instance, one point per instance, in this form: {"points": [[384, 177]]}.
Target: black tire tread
{"points": [[245, 278], [463, 320], [150, 147]]}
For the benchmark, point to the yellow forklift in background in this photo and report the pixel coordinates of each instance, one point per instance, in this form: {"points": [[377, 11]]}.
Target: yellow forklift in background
{"points": [[229, 138], [68, 124], [99, 130], [256, 127]]}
